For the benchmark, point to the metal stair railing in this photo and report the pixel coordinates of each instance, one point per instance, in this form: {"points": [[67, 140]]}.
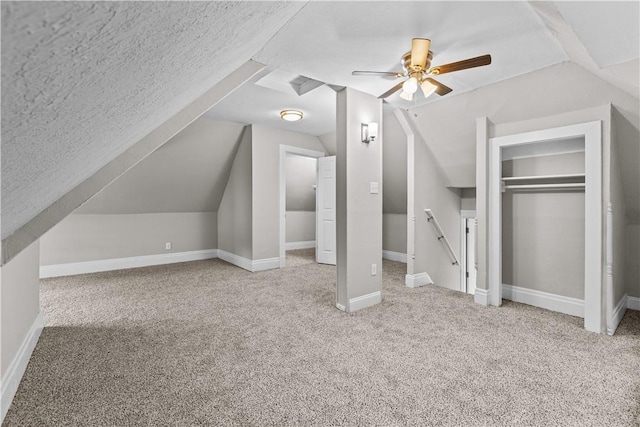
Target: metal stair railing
{"points": [[441, 237]]}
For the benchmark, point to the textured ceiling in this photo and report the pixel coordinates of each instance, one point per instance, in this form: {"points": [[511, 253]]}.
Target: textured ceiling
{"points": [[254, 103], [321, 42], [615, 39], [83, 81], [328, 40]]}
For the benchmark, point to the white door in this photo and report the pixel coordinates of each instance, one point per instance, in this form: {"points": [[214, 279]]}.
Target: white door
{"points": [[326, 211], [472, 265]]}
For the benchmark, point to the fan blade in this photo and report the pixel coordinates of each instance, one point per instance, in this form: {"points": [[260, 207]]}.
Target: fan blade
{"points": [[391, 91], [478, 61], [378, 73], [419, 53], [440, 88]]}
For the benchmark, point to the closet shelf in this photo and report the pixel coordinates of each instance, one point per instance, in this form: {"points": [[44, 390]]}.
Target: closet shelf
{"points": [[528, 178], [542, 186]]}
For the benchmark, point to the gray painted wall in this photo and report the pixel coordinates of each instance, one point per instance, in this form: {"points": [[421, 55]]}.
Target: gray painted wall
{"points": [[543, 231], [81, 238], [301, 226], [19, 302], [301, 174], [468, 199], [358, 213], [394, 186], [431, 193], [394, 167], [187, 174], [300, 181], [170, 196], [235, 211], [266, 185], [618, 203], [328, 140], [632, 266], [394, 232]]}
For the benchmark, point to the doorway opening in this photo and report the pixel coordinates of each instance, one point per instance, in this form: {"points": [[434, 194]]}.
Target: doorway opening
{"points": [[298, 186]]}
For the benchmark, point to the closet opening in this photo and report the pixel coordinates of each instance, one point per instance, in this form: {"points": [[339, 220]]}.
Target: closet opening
{"points": [[543, 224], [545, 220]]}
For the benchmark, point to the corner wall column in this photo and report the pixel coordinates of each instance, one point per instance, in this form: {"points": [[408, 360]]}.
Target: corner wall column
{"points": [[358, 203]]}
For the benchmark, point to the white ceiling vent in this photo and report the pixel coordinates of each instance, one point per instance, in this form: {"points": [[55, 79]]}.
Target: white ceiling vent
{"points": [[288, 82], [302, 84]]}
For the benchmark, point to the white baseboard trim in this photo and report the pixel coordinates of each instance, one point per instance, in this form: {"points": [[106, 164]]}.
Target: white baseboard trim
{"points": [[265, 264], [364, 301], [341, 307], [394, 256], [236, 260], [309, 244], [248, 264], [481, 296], [73, 268], [561, 304], [417, 280], [12, 377], [617, 315], [633, 303]]}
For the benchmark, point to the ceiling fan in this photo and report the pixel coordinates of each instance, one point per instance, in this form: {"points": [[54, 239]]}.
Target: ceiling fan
{"points": [[417, 67]]}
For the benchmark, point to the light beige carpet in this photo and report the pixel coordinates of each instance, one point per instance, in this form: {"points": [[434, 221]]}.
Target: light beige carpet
{"points": [[206, 343]]}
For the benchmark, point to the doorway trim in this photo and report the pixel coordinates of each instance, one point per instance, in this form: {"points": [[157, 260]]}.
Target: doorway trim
{"points": [[284, 150], [592, 134], [465, 214]]}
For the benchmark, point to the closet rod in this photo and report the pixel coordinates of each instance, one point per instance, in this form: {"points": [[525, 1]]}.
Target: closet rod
{"points": [[533, 186], [532, 177]]}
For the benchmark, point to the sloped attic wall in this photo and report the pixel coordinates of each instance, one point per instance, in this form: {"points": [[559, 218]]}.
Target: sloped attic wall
{"points": [[171, 196], [234, 213], [82, 82], [394, 186]]}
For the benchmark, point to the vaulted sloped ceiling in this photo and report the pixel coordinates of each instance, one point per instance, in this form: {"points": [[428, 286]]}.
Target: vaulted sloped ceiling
{"points": [[187, 174], [328, 40], [84, 81]]}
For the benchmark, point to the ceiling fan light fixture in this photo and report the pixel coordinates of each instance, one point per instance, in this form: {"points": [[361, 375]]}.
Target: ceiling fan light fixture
{"points": [[410, 86], [291, 115], [406, 96], [428, 88]]}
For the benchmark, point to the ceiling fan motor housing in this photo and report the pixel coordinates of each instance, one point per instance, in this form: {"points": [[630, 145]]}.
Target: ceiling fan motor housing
{"points": [[406, 64]]}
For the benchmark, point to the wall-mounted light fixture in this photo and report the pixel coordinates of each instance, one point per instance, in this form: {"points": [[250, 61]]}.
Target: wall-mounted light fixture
{"points": [[369, 132], [291, 115]]}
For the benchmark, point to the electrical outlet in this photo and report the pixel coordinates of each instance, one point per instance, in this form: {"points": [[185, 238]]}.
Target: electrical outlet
{"points": [[374, 269], [167, 245]]}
